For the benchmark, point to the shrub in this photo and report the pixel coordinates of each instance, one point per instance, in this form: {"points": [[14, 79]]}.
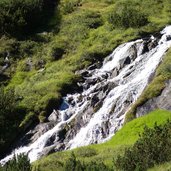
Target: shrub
{"points": [[10, 116], [86, 152], [69, 6], [18, 163], [57, 50], [127, 16], [152, 148], [75, 165], [22, 16]]}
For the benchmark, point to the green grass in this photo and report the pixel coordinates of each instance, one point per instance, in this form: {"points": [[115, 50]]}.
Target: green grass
{"points": [[155, 88], [162, 167], [105, 152]]}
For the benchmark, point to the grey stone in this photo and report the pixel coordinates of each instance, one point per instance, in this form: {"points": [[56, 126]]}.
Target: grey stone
{"points": [[163, 101], [54, 117]]}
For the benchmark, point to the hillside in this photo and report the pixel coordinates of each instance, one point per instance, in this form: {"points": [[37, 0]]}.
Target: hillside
{"points": [[47, 47]]}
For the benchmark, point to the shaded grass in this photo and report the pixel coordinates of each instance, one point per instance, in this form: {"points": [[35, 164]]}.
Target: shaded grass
{"points": [[105, 152]]}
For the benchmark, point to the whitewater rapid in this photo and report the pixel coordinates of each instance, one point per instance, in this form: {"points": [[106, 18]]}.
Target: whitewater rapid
{"points": [[129, 70]]}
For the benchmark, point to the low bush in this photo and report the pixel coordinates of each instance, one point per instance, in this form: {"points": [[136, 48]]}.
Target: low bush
{"points": [[22, 17], [127, 16], [70, 6], [10, 117], [153, 147], [18, 163], [86, 152], [75, 165]]}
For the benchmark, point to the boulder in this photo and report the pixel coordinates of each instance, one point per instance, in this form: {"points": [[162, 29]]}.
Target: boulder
{"points": [[54, 117], [163, 101]]}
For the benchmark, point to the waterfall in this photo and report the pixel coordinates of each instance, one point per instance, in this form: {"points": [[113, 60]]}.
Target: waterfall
{"points": [[95, 114]]}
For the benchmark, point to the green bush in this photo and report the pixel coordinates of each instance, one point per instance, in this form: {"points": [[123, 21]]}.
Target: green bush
{"points": [[18, 163], [70, 6], [127, 16], [23, 16], [75, 165], [10, 116], [86, 152], [152, 148]]}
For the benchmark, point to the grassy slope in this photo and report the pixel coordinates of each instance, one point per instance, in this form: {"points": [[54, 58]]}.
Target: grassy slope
{"points": [[84, 36], [107, 151]]}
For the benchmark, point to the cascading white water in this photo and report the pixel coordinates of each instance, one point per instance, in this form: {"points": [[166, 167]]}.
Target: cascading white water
{"points": [[129, 70]]}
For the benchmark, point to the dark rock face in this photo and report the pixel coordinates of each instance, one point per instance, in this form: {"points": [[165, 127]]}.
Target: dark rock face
{"points": [[54, 117], [168, 38], [149, 44], [161, 102]]}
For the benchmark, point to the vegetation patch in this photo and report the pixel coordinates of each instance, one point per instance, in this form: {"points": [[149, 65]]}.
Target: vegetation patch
{"points": [[153, 147], [21, 17], [126, 15], [18, 163], [10, 117]]}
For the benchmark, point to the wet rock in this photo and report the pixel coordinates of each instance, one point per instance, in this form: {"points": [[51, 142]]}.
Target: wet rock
{"points": [[105, 129], [129, 56], [111, 85], [168, 38], [92, 67], [104, 76], [64, 116], [149, 106], [127, 61], [50, 141], [115, 72], [62, 134], [91, 81], [152, 44], [54, 117], [59, 147], [145, 47], [133, 52], [163, 101], [48, 150], [40, 130], [32, 135], [128, 74], [83, 73], [53, 148], [149, 45], [94, 100]]}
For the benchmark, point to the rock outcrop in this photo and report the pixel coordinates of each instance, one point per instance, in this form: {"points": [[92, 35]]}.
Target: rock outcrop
{"points": [[163, 101]]}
